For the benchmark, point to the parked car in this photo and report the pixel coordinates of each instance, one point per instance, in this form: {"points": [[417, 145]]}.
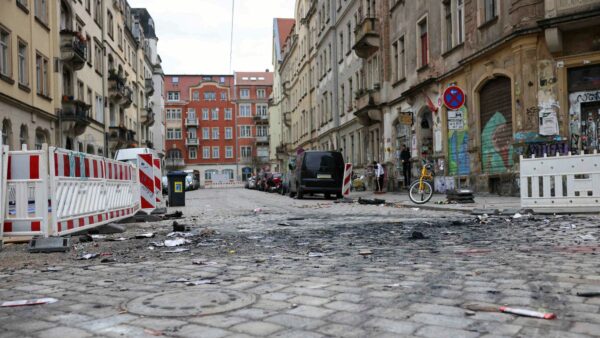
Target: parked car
{"points": [[273, 182], [317, 172]]}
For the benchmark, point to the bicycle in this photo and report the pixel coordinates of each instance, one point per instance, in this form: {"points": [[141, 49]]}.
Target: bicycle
{"points": [[421, 190]]}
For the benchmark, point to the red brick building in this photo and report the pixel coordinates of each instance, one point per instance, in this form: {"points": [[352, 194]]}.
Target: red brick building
{"points": [[200, 119], [252, 91]]}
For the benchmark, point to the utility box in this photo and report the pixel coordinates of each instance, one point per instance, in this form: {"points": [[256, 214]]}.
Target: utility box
{"points": [[176, 188]]}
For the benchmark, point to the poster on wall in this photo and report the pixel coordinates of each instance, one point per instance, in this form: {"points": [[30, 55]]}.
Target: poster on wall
{"points": [[413, 146], [549, 120]]}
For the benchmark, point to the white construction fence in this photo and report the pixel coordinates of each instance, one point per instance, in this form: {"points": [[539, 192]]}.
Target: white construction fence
{"points": [[561, 184], [54, 192]]}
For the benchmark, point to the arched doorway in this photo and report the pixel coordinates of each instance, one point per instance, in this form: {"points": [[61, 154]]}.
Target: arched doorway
{"points": [[41, 137], [7, 133], [495, 109]]}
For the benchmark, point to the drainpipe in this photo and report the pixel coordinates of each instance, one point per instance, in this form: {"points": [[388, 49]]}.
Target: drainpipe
{"points": [[334, 57]]}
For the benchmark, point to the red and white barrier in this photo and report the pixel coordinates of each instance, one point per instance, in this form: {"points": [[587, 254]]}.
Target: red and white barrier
{"points": [[347, 182], [147, 189], [3, 172], [89, 191], [26, 194], [157, 180]]}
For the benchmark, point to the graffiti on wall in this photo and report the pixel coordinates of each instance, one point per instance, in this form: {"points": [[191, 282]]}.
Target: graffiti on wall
{"points": [[582, 132], [496, 144], [541, 148], [458, 142], [547, 98]]}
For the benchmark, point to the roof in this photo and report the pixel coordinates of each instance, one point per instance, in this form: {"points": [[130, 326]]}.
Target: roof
{"points": [[254, 78], [184, 82], [282, 29], [146, 21]]}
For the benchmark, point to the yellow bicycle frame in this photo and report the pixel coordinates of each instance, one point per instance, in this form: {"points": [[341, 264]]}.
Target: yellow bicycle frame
{"points": [[425, 176]]}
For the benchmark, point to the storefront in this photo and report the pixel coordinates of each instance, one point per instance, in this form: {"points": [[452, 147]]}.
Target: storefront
{"points": [[584, 108]]}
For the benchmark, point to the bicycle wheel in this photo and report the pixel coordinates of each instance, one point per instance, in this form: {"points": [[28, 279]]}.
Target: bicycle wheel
{"points": [[420, 196]]}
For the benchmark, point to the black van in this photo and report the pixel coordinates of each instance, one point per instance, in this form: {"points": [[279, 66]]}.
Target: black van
{"points": [[317, 172]]}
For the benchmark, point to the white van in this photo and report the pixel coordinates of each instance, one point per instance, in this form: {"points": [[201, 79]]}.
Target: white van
{"points": [[130, 154]]}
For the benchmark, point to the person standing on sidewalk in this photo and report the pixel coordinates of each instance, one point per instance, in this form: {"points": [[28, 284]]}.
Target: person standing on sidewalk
{"points": [[378, 175], [405, 158]]}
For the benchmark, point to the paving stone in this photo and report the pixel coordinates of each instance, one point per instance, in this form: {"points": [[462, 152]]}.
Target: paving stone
{"points": [[340, 330], [159, 324], [310, 311], [27, 325], [296, 334], [346, 306], [586, 328], [394, 326], [99, 324], [546, 332], [349, 318], [442, 320], [257, 328], [438, 309], [193, 331], [296, 322], [440, 331], [309, 300], [124, 331], [221, 321], [63, 332]]}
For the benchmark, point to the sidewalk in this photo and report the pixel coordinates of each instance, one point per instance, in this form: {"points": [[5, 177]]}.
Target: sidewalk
{"points": [[482, 201]]}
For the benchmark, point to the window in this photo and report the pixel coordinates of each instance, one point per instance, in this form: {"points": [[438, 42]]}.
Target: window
{"points": [[489, 9], [196, 96], [448, 25], [246, 151], [261, 93], [41, 10], [245, 110], [193, 153], [228, 114], [423, 43], [215, 114], [215, 152], [228, 133], [110, 24], [206, 133], [262, 109], [98, 12], [99, 109], [120, 40], [460, 22], [98, 66], [191, 134], [88, 6], [223, 96], [173, 96], [262, 131], [244, 93], [22, 3], [215, 133], [349, 34], [23, 135], [5, 52], [175, 79], [173, 134], [245, 131], [191, 113], [222, 79], [210, 96], [206, 155], [80, 90], [173, 114], [229, 152], [205, 114], [42, 72], [22, 55], [341, 46]]}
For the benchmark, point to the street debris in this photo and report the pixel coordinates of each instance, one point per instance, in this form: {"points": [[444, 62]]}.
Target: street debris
{"points": [[527, 313], [589, 294], [287, 224], [178, 250], [517, 215], [176, 242], [587, 237], [180, 227], [199, 262], [86, 238], [174, 215], [108, 260], [88, 256], [180, 234], [145, 235], [192, 283], [365, 252], [257, 210], [416, 235], [316, 254], [28, 302], [374, 201], [395, 285], [414, 209]]}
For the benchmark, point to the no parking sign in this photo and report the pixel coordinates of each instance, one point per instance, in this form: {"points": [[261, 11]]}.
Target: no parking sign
{"points": [[454, 98]]}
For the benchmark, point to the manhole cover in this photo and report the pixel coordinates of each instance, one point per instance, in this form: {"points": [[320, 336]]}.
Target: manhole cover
{"points": [[189, 303]]}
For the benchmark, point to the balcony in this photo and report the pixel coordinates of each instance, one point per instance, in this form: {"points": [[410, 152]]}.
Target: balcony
{"points": [[122, 136], [192, 142], [368, 111], [191, 122], [366, 36], [149, 84], [147, 116], [73, 49], [262, 140], [118, 92], [174, 163], [75, 115], [261, 119]]}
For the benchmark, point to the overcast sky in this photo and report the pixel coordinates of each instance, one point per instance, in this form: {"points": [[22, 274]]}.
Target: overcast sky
{"points": [[194, 34]]}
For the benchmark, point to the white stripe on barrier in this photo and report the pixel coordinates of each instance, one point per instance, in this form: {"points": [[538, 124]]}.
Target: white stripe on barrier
{"points": [[157, 180], [147, 191], [3, 173], [346, 183]]}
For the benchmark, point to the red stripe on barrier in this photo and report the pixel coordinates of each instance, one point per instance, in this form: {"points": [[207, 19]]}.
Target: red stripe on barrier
{"points": [[66, 166], [77, 167], [81, 222], [91, 220], [59, 227], [34, 167], [95, 168], [110, 171], [9, 173], [87, 167], [36, 226], [70, 224], [7, 227], [146, 204], [56, 164]]}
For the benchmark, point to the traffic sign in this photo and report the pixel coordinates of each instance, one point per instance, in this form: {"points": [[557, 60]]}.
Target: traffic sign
{"points": [[454, 98]]}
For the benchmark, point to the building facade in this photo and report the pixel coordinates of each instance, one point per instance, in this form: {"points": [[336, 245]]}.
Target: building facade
{"points": [[74, 76], [252, 92], [529, 71]]}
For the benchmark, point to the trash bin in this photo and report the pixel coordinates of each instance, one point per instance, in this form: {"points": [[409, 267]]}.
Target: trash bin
{"points": [[176, 188]]}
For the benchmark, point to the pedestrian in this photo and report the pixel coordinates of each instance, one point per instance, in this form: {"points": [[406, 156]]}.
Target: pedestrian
{"points": [[405, 158], [378, 175]]}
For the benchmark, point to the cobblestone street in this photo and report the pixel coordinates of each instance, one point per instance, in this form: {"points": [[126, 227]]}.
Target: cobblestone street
{"points": [[268, 265]]}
